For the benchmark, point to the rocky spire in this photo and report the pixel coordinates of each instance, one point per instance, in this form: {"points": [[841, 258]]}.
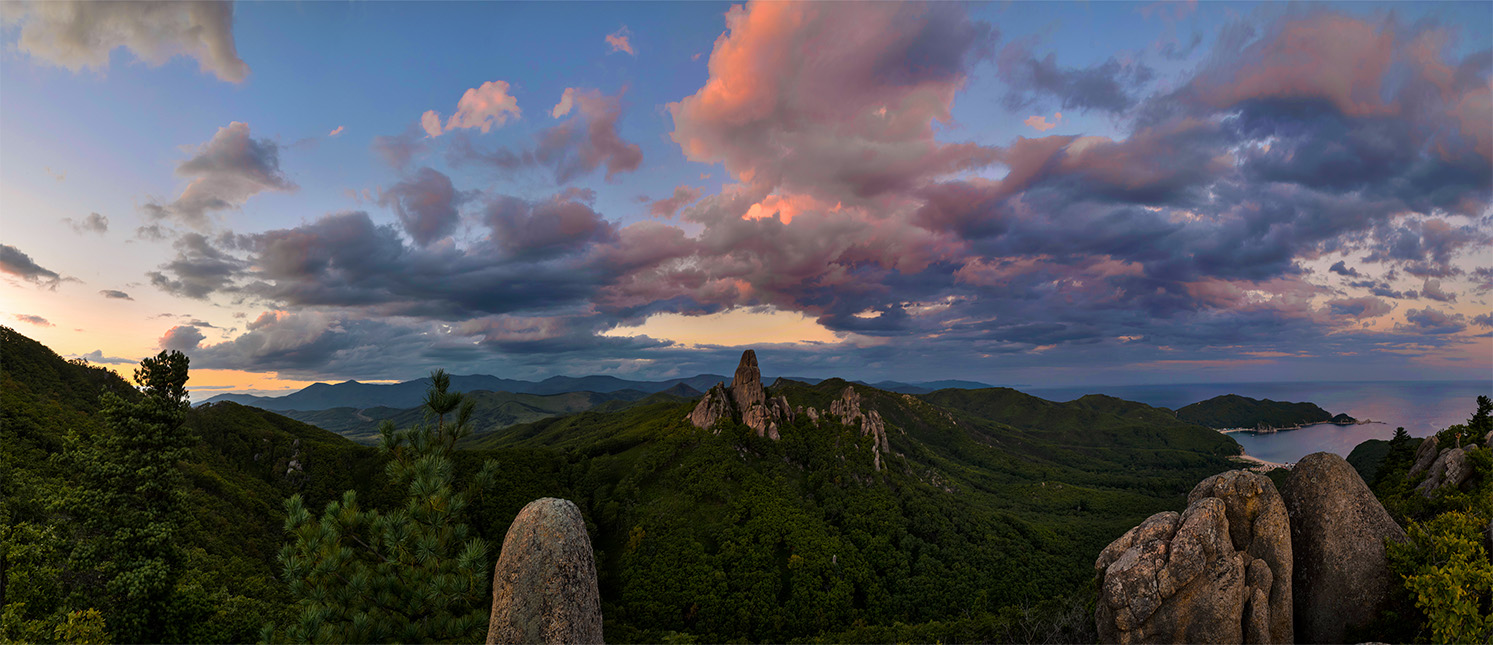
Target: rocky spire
{"points": [[746, 386], [745, 397]]}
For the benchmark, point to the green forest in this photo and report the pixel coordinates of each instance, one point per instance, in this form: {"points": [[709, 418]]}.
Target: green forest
{"points": [[243, 525]]}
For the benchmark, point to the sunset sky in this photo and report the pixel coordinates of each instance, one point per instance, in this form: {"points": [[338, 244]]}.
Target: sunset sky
{"points": [[1016, 193]]}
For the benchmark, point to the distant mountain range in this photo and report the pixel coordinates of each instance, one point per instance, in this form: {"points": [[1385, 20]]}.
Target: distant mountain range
{"points": [[409, 394]]}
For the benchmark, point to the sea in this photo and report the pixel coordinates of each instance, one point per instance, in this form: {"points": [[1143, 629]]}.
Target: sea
{"points": [[1421, 407]]}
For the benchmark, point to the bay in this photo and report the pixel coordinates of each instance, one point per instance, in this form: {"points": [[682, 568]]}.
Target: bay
{"points": [[1421, 407]]}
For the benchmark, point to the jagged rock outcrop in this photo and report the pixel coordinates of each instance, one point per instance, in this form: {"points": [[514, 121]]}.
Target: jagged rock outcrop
{"points": [[544, 585], [1341, 579], [1425, 455], [715, 405], [1450, 469], [848, 409], [745, 397], [1218, 573]]}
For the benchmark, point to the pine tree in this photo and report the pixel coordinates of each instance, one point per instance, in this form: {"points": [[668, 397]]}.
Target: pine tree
{"points": [[130, 503], [413, 574]]}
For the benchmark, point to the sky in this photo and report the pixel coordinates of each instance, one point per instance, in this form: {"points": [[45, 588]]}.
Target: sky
{"points": [[1020, 193]]}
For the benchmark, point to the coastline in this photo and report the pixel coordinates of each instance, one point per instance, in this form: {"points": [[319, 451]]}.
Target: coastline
{"points": [[1259, 465], [1300, 426]]}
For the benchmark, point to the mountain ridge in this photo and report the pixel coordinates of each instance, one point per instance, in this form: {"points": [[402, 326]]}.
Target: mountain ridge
{"points": [[409, 394]]}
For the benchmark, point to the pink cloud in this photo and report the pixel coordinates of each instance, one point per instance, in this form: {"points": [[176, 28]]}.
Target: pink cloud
{"points": [[857, 123], [667, 207], [618, 40], [1040, 124], [484, 107], [567, 101], [337, 131], [431, 122]]}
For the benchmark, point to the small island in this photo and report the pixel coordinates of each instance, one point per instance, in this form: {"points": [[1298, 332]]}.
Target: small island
{"points": [[1232, 412]]}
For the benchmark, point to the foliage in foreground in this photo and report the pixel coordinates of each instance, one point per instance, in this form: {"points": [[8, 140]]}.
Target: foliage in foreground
{"points": [[131, 503], [414, 574], [1444, 565]]}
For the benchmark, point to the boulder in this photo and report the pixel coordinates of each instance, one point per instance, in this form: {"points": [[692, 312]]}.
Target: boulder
{"points": [[1260, 528], [544, 585], [1341, 579], [1174, 579], [1218, 573], [1450, 470], [1425, 455]]}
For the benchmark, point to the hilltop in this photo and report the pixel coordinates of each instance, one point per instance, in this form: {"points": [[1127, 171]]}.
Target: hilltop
{"points": [[1233, 411]]}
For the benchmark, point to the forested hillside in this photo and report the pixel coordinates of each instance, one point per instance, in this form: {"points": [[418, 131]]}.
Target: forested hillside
{"points": [[982, 523], [494, 410], [1234, 411]]}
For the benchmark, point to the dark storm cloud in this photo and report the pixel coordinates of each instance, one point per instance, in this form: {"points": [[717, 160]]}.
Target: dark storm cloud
{"points": [[1341, 268], [571, 150], [15, 262], [426, 204], [1432, 290], [1424, 248], [1359, 307], [545, 229], [225, 172], [181, 338], [1111, 86], [1432, 321], [199, 269]]}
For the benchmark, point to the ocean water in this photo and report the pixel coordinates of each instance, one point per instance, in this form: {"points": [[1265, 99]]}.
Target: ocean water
{"points": [[1421, 407]]}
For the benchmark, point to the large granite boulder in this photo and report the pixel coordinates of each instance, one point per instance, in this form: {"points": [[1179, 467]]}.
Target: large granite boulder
{"points": [[1260, 528], [1341, 579], [1450, 469], [544, 585], [1218, 573]]}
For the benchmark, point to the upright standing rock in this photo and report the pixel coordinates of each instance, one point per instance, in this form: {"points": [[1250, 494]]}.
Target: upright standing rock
{"points": [[544, 586], [1260, 528], [1342, 577], [746, 385], [1218, 573]]}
